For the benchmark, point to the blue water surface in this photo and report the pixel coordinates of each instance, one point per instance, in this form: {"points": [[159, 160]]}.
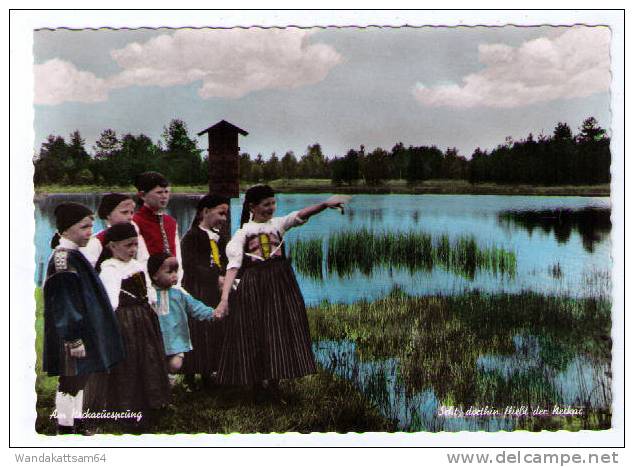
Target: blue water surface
{"points": [[537, 251]]}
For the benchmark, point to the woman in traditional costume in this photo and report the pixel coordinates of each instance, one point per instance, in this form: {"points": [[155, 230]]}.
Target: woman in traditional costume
{"points": [[204, 266], [267, 336]]}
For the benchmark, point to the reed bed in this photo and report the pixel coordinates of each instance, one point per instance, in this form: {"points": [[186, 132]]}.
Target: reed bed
{"points": [[308, 256], [545, 351], [365, 251]]}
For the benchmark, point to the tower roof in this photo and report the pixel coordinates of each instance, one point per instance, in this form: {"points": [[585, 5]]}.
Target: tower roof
{"points": [[223, 126]]}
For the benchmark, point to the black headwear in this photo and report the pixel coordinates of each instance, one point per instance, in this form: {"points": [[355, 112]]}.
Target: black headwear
{"points": [[209, 201], [120, 232], [149, 180], [255, 194], [109, 202], [155, 262], [67, 215]]}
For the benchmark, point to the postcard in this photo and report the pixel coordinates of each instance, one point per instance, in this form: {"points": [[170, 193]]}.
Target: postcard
{"points": [[365, 230]]}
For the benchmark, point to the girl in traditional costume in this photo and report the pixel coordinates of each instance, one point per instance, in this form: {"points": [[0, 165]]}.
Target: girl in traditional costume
{"points": [[175, 307], [267, 336], [140, 382], [81, 335], [114, 208], [204, 266]]}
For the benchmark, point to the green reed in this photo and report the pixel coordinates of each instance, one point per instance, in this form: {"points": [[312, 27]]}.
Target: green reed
{"points": [[308, 256], [439, 342], [365, 250]]}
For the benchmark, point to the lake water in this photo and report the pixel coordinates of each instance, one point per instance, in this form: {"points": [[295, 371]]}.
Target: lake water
{"points": [[561, 244]]}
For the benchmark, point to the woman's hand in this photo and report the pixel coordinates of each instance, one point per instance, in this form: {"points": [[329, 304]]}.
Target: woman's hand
{"points": [[222, 309], [337, 202], [334, 202]]}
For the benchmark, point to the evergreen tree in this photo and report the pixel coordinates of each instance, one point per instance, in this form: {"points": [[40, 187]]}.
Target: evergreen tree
{"points": [[289, 165], [53, 162], [374, 168], [245, 167], [181, 161], [272, 168], [107, 144]]}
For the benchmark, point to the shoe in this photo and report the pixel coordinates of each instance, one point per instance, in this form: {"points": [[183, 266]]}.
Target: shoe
{"points": [[261, 395], [83, 427], [65, 430], [209, 382]]}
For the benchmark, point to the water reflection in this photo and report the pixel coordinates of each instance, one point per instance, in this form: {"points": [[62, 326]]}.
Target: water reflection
{"points": [[415, 216], [473, 351], [454, 216], [591, 223]]}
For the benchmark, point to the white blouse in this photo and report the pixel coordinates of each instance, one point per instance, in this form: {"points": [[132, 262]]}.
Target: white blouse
{"points": [[277, 225], [93, 250], [113, 271]]}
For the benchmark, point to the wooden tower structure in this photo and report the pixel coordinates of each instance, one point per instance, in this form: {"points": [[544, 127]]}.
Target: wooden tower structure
{"points": [[224, 158]]}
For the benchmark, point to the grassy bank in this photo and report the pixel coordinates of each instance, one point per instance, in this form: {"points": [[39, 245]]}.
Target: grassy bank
{"points": [[475, 349], [389, 186], [494, 350], [317, 403]]}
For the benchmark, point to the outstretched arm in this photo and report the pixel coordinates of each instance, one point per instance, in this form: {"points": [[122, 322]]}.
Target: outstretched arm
{"points": [[333, 202], [197, 309]]}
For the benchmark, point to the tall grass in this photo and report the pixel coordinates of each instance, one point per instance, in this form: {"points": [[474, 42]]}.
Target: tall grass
{"points": [[308, 256], [546, 351], [365, 250]]}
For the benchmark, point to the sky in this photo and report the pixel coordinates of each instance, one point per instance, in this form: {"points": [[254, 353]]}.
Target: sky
{"points": [[289, 88]]}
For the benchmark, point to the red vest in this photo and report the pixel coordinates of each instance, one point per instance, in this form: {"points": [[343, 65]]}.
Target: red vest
{"points": [[150, 229], [101, 236]]}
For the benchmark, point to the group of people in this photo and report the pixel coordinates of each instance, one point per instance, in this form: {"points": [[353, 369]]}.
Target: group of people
{"points": [[127, 309]]}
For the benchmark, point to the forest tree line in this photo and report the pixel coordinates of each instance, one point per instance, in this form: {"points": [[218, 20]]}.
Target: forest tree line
{"points": [[557, 159]]}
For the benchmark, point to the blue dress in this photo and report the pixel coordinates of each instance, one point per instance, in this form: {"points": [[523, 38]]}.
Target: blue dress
{"points": [[174, 318]]}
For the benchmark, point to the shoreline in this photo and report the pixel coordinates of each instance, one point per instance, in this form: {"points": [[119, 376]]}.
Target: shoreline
{"points": [[316, 186]]}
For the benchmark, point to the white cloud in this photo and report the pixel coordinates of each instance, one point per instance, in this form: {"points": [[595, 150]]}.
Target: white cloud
{"points": [[573, 64], [229, 63], [58, 81]]}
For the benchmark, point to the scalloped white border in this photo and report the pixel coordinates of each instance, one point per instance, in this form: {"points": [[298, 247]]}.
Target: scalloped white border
{"points": [[22, 224]]}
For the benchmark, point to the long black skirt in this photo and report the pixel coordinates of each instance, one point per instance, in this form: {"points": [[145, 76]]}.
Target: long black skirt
{"points": [[206, 338], [267, 334], [140, 381]]}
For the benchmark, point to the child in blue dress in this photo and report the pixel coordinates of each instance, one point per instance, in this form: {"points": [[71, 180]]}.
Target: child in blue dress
{"points": [[174, 305]]}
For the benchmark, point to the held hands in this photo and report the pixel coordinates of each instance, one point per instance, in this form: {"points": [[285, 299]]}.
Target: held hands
{"points": [[222, 309]]}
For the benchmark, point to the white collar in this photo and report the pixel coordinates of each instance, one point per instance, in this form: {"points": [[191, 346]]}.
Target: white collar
{"points": [[210, 232], [128, 266], [67, 244]]}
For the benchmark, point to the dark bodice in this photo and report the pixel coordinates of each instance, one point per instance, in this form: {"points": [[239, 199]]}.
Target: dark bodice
{"points": [[133, 290]]}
